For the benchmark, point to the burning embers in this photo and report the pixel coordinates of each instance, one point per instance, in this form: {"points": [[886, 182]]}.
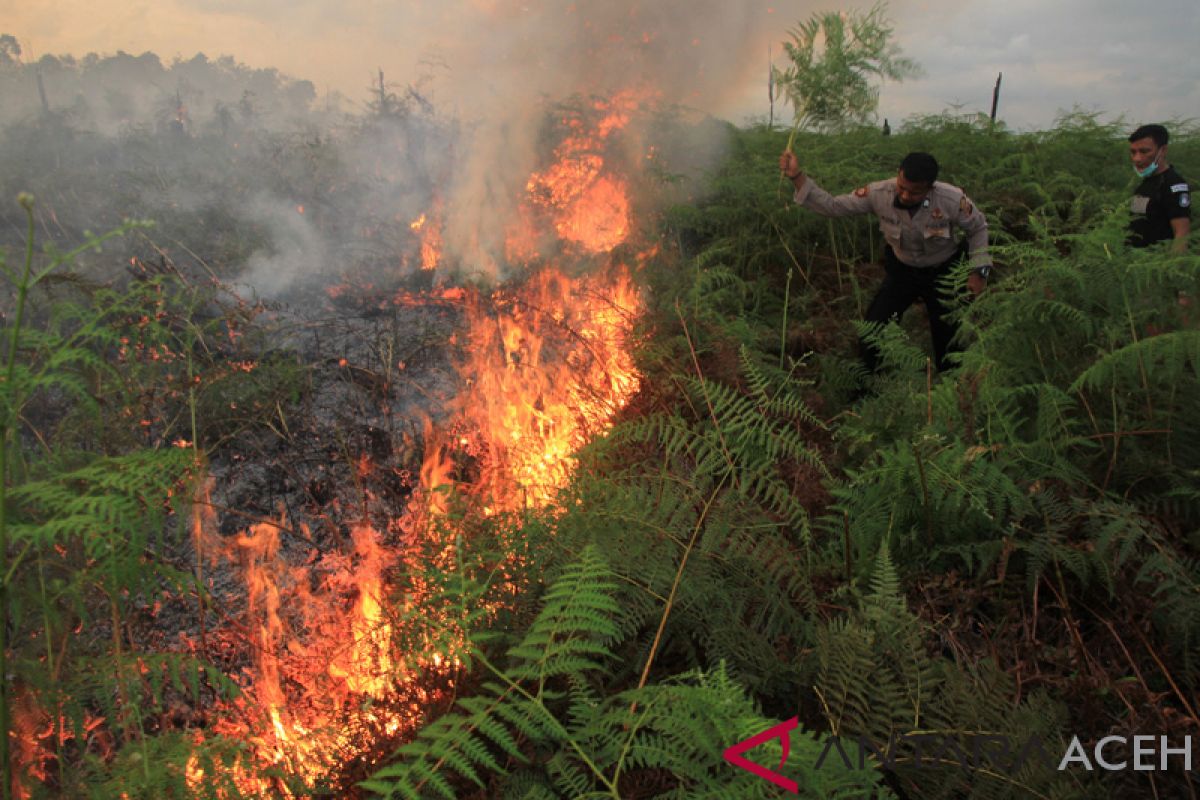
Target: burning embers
{"points": [[324, 688]]}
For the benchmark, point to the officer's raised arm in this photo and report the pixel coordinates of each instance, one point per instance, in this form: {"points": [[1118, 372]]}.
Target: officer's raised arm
{"points": [[814, 198]]}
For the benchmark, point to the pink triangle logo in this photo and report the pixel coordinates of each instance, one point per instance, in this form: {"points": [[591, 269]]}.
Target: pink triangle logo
{"points": [[781, 731]]}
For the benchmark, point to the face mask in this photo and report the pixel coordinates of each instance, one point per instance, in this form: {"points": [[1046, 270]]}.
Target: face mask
{"points": [[1148, 171]]}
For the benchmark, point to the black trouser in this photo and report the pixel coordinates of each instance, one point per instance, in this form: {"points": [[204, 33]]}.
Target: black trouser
{"points": [[902, 285]]}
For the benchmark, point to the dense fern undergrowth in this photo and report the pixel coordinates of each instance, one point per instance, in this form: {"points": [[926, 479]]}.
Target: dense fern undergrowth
{"points": [[1006, 550]]}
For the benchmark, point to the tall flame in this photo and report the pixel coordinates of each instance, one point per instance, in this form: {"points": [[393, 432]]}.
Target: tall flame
{"points": [[547, 372], [367, 665], [546, 365]]}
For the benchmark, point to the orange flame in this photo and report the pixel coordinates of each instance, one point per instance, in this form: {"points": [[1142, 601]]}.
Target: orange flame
{"points": [[546, 367], [367, 666], [588, 205], [547, 373], [429, 229], [30, 741], [309, 676]]}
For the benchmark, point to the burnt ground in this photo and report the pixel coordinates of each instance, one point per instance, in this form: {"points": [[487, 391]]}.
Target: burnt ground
{"points": [[371, 367]]}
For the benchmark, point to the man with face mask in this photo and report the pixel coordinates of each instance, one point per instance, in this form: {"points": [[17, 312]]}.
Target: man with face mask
{"points": [[917, 216], [1162, 202]]}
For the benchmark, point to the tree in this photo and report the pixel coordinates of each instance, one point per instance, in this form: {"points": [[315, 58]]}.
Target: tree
{"points": [[835, 57], [10, 49]]}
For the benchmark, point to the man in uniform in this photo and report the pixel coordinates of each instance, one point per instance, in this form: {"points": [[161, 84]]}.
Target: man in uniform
{"points": [[1162, 203], [917, 216]]}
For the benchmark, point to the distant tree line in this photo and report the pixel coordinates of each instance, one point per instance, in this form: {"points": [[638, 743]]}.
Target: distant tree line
{"points": [[108, 92]]}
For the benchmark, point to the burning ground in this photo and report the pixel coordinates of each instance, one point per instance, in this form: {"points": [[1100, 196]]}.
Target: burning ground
{"points": [[449, 396]]}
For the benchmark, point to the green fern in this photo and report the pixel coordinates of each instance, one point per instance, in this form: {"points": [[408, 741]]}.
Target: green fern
{"points": [[539, 729], [876, 679], [85, 515]]}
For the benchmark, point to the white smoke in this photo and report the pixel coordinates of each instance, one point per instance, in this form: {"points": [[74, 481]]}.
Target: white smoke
{"points": [[472, 142], [295, 252]]}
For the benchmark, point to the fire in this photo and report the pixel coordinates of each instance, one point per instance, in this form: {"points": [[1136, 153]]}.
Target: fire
{"points": [[523, 241], [31, 740], [316, 658], [537, 392], [37, 737], [599, 220], [429, 230], [545, 366], [367, 667], [588, 205]]}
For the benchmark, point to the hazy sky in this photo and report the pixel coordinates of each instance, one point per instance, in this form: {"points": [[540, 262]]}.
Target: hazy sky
{"points": [[1137, 59]]}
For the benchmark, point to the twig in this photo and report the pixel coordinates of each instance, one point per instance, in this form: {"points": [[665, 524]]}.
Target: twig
{"points": [[924, 495], [928, 392], [662, 623], [788, 148], [700, 374], [787, 296], [1119, 434], [791, 255], [846, 545], [1086, 660], [1167, 674], [257, 520]]}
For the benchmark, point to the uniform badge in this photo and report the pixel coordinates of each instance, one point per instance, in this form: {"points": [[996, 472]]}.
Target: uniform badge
{"points": [[1185, 200], [861, 191], [1179, 187], [937, 213], [965, 208]]}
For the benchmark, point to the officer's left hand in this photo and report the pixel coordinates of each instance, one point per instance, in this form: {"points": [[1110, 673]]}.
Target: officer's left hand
{"points": [[976, 283]]}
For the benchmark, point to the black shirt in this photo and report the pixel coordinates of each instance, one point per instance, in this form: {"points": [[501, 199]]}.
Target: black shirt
{"points": [[1158, 200]]}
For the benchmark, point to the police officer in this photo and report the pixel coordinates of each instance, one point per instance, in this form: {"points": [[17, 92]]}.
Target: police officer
{"points": [[1162, 202], [917, 216]]}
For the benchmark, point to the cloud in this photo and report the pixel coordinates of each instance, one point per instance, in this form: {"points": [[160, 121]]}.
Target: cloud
{"points": [[1092, 53], [1053, 55]]}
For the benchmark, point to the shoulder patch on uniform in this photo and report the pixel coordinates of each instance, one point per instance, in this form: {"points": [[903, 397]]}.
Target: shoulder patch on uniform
{"points": [[937, 213], [1179, 187], [964, 207], [1185, 200], [861, 191]]}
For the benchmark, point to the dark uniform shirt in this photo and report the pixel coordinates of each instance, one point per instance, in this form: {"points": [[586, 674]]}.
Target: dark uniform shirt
{"points": [[1158, 200], [921, 239]]}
